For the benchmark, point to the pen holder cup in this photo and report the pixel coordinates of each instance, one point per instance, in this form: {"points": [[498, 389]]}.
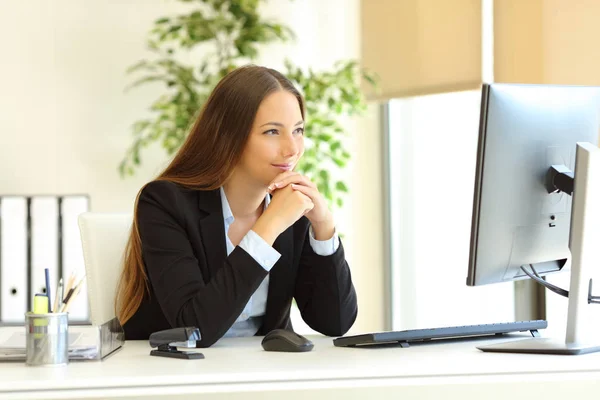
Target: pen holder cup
{"points": [[47, 339]]}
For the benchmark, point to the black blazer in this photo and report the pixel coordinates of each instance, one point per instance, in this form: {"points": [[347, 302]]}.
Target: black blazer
{"points": [[193, 282]]}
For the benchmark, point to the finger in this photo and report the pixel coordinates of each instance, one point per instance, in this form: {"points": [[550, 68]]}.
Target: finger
{"points": [[296, 179], [309, 192], [305, 193], [271, 186], [284, 180], [283, 175]]}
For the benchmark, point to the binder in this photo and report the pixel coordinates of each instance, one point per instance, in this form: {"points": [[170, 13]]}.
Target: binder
{"points": [[44, 244], [72, 252], [36, 233], [13, 259]]}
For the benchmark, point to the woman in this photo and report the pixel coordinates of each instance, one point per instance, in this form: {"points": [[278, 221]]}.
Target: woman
{"points": [[228, 234]]}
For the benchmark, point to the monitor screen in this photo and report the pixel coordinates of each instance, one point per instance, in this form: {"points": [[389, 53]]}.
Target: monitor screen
{"points": [[523, 131]]}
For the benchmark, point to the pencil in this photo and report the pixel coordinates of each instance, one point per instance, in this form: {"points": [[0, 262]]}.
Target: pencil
{"points": [[73, 295], [58, 296], [70, 283], [47, 274]]}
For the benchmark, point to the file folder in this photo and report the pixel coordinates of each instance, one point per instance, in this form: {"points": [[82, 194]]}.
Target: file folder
{"points": [[72, 252], [13, 258], [44, 243]]}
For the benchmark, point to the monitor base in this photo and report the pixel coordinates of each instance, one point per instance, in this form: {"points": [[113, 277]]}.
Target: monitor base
{"points": [[541, 346]]}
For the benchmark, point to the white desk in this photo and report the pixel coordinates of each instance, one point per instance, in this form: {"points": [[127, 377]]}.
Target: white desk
{"points": [[240, 369]]}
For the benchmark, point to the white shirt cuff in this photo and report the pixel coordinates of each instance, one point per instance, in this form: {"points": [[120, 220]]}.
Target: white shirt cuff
{"points": [[261, 251], [324, 247]]}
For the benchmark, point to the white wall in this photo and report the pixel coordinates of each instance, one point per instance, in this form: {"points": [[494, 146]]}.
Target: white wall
{"points": [[64, 115], [65, 118]]}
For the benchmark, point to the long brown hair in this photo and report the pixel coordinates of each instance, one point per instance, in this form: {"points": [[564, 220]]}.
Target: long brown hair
{"points": [[206, 159]]}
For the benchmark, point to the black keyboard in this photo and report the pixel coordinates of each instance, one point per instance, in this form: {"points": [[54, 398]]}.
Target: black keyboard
{"points": [[423, 335]]}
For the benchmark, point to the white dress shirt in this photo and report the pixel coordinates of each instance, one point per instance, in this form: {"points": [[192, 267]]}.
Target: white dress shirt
{"points": [[250, 320]]}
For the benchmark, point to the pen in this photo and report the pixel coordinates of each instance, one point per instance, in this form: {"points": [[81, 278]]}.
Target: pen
{"points": [[67, 298], [73, 292], [40, 304], [73, 296], [47, 273], [69, 284], [58, 296]]}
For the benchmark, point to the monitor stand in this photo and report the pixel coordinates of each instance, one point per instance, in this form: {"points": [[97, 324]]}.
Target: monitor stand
{"points": [[585, 254]]}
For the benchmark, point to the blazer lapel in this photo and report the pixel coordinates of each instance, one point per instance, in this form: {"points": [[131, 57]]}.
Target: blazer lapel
{"points": [[212, 227], [279, 277]]}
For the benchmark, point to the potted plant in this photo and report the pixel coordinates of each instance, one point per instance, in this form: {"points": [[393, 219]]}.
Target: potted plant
{"points": [[231, 33]]}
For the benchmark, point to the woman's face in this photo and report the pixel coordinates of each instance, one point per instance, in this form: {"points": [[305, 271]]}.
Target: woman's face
{"points": [[276, 140]]}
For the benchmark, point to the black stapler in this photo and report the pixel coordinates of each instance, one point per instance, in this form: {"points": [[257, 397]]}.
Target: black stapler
{"points": [[168, 340]]}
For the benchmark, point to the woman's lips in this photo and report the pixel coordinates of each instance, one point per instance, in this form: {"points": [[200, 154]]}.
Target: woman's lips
{"points": [[283, 167]]}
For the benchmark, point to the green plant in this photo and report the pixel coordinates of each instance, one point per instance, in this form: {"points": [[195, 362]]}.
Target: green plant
{"points": [[230, 34]]}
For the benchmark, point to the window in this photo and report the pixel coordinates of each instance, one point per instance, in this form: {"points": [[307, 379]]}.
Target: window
{"points": [[432, 148]]}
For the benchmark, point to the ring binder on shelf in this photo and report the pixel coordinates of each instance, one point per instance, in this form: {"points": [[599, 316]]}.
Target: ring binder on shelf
{"points": [[72, 252], [13, 259], [44, 242], [39, 232]]}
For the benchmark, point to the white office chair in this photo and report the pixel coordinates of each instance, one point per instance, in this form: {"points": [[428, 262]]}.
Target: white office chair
{"points": [[103, 237]]}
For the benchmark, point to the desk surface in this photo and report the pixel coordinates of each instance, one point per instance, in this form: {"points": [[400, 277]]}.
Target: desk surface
{"points": [[239, 368]]}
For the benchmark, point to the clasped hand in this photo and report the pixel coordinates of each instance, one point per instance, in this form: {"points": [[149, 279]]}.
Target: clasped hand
{"points": [[295, 192]]}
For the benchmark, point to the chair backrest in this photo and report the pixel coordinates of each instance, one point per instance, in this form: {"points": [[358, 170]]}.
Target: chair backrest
{"points": [[103, 237]]}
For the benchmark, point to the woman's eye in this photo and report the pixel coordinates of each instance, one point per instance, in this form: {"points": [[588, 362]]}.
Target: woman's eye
{"points": [[300, 131], [271, 132]]}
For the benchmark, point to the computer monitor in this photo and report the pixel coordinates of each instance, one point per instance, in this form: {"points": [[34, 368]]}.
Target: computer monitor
{"points": [[530, 139]]}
